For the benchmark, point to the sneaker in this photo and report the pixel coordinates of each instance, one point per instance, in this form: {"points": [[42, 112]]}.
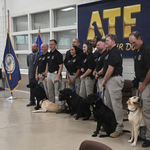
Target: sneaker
{"points": [[115, 134], [146, 143]]}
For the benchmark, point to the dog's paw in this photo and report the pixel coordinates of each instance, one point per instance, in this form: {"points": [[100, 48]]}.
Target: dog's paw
{"points": [[76, 118], [133, 144], [130, 141]]}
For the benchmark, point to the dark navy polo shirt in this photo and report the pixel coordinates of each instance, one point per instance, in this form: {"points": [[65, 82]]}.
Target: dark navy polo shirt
{"points": [[142, 62], [73, 64], [42, 61], [54, 59], [114, 59], [88, 63]]}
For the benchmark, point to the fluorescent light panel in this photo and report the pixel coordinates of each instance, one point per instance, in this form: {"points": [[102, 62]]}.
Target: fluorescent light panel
{"points": [[67, 9]]}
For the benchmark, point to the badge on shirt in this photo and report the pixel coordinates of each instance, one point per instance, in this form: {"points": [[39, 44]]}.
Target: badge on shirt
{"points": [[74, 60], [43, 58], [99, 58], [107, 57], [40, 58], [85, 60], [52, 57], [139, 58], [48, 57]]}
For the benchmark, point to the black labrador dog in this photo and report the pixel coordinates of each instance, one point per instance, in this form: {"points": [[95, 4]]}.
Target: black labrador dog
{"points": [[39, 92], [104, 116], [75, 103]]}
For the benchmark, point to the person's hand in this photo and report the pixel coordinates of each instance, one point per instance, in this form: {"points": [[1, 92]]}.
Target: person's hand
{"points": [[96, 76], [94, 72], [72, 81], [82, 70], [45, 79], [141, 87], [68, 81], [103, 83], [37, 77], [81, 77], [42, 77], [56, 79]]}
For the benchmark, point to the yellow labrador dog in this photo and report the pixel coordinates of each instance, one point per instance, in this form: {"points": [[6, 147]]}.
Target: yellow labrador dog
{"points": [[46, 106], [135, 117]]}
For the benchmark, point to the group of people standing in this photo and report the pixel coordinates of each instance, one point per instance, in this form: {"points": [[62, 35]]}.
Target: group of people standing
{"points": [[98, 65]]}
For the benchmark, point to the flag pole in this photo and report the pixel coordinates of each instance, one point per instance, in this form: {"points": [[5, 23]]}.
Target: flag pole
{"points": [[11, 97]]}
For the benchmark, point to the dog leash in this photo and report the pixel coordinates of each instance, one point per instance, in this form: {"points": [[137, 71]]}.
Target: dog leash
{"points": [[38, 85], [99, 95], [76, 86]]}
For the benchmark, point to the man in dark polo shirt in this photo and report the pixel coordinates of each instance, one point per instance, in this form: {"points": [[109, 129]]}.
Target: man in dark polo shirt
{"points": [[142, 73], [113, 81], [101, 48], [41, 67], [54, 77]]}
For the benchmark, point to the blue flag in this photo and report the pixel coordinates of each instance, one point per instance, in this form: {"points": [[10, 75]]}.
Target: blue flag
{"points": [[39, 41], [11, 66]]}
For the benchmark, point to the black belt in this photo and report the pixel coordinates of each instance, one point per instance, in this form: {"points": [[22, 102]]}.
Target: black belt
{"points": [[116, 75], [72, 74]]}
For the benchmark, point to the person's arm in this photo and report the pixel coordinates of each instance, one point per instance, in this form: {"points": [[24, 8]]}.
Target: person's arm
{"points": [[59, 72], [76, 75], [36, 74], [107, 75], [88, 71], [68, 79], [146, 80]]}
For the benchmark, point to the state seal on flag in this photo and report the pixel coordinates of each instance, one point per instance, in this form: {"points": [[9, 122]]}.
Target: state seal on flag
{"points": [[9, 63]]}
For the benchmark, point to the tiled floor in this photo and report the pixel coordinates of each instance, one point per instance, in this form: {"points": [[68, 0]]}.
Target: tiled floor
{"points": [[20, 129]]}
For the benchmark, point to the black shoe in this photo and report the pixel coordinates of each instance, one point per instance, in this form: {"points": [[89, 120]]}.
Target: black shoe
{"points": [[37, 107], [146, 143], [30, 104]]}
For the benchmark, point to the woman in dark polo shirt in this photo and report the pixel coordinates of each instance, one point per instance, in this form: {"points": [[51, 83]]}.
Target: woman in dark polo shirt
{"points": [[73, 69], [88, 66]]}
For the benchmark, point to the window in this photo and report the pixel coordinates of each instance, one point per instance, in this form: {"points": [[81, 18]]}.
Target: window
{"points": [[20, 23], [64, 38], [21, 42], [65, 16], [40, 19]]}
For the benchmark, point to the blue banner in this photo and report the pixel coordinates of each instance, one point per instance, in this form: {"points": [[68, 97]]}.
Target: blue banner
{"points": [[11, 66], [39, 41], [119, 17]]}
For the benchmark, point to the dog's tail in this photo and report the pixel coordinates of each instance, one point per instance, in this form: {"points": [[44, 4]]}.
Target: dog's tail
{"points": [[126, 131]]}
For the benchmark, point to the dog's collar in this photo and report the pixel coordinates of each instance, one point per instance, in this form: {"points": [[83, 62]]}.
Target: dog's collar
{"points": [[128, 110]]}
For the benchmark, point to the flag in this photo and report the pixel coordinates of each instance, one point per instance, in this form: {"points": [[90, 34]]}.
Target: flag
{"points": [[11, 66], [39, 41]]}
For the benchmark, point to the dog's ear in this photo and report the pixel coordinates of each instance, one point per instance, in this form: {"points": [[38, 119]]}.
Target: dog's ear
{"points": [[128, 102]]}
